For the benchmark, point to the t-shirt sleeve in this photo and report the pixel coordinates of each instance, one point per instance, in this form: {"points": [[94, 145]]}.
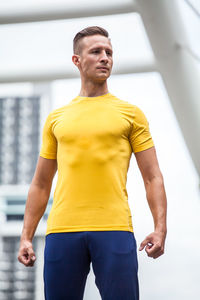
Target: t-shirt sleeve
{"points": [[49, 142], [140, 136]]}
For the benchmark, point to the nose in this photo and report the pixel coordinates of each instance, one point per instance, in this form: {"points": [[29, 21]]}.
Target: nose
{"points": [[104, 57]]}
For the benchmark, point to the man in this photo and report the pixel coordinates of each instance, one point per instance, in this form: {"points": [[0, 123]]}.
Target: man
{"points": [[90, 142]]}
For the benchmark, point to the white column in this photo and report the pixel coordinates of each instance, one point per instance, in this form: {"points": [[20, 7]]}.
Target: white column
{"points": [[165, 29]]}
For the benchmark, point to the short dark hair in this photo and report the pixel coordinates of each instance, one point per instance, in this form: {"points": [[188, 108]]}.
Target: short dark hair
{"points": [[88, 31]]}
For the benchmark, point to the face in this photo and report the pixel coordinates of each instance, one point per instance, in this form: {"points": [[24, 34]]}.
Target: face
{"points": [[95, 60]]}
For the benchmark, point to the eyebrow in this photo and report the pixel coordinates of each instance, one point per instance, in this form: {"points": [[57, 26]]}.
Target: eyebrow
{"points": [[99, 48]]}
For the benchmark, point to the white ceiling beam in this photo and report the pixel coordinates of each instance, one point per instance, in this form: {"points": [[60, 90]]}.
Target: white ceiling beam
{"points": [[70, 10], [65, 72], [178, 68]]}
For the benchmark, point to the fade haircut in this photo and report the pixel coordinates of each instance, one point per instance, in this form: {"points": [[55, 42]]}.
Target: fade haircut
{"points": [[88, 31]]}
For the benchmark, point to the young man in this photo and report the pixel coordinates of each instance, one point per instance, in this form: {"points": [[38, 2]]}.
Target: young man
{"points": [[90, 142]]}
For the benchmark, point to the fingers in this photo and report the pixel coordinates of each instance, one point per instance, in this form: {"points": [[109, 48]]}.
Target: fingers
{"points": [[26, 259], [144, 243], [155, 250], [26, 255], [154, 245]]}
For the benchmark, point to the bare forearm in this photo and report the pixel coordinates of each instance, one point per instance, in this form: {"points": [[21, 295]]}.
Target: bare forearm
{"points": [[35, 207], [156, 196]]}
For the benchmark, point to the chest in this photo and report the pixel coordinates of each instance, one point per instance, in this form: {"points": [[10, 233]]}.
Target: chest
{"points": [[91, 123]]}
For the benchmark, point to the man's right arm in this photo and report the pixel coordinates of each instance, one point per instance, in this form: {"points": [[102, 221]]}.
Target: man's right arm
{"points": [[36, 203]]}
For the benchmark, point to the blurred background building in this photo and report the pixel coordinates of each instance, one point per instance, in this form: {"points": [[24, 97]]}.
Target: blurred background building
{"points": [[157, 67]]}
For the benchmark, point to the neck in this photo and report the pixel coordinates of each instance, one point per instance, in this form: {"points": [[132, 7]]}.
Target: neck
{"points": [[91, 89]]}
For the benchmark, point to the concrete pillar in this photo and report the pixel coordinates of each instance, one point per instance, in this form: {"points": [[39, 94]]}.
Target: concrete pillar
{"points": [[178, 68]]}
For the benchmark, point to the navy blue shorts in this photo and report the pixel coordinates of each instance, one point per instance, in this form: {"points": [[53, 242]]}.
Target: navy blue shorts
{"points": [[67, 258]]}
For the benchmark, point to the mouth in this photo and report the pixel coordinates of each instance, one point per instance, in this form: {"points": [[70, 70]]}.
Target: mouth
{"points": [[103, 68]]}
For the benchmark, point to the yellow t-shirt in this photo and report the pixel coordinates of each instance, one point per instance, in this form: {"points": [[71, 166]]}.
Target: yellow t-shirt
{"points": [[92, 139]]}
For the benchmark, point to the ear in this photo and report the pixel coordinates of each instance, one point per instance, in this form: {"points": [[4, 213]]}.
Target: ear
{"points": [[76, 59]]}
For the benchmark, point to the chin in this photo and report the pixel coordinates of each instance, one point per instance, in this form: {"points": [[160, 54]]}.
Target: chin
{"points": [[100, 79], [103, 76]]}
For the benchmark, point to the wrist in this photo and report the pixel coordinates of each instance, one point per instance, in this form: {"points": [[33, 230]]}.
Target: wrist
{"points": [[161, 229], [26, 236]]}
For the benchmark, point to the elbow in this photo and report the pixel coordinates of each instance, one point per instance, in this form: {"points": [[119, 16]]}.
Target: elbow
{"points": [[42, 182], [155, 178]]}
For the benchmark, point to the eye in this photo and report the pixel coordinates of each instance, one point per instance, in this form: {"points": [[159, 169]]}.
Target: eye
{"points": [[109, 53], [95, 51]]}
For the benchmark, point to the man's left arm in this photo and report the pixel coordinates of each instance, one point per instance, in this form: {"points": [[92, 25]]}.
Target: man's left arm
{"points": [[155, 192]]}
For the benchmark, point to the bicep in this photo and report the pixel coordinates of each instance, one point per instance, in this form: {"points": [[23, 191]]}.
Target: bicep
{"points": [[44, 171], [148, 164]]}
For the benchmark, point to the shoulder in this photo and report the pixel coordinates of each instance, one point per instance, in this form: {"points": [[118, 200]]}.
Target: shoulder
{"points": [[134, 109], [55, 113], [134, 112], [59, 109]]}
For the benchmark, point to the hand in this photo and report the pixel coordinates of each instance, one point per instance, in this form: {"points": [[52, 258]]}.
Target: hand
{"points": [[26, 254], [154, 244]]}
